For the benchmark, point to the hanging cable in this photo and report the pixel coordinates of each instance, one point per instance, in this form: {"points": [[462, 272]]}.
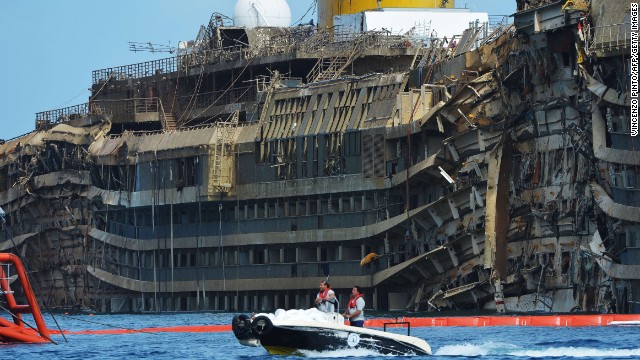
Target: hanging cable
{"points": [[221, 95], [224, 278], [70, 100], [238, 220], [99, 90], [192, 101], [312, 7], [27, 324]]}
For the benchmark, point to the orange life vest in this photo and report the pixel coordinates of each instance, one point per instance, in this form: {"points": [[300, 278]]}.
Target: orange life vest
{"points": [[352, 301]]}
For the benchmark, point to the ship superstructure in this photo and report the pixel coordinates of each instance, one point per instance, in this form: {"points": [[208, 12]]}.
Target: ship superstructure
{"points": [[492, 169]]}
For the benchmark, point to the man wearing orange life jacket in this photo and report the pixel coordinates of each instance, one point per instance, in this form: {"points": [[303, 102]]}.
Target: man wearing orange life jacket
{"points": [[355, 309], [325, 301]]}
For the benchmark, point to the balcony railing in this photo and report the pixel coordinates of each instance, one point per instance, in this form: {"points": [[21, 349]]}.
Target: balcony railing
{"points": [[254, 271], [126, 106], [135, 71], [217, 98], [128, 110], [214, 56], [310, 42], [497, 21], [47, 118], [610, 37]]}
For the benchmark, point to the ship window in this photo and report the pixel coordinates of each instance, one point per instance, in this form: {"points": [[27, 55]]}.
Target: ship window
{"points": [[257, 150], [346, 205], [566, 262], [187, 172], [323, 254], [631, 178], [258, 257], [289, 255], [229, 258], [551, 260], [632, 239], [184, 260], [566, 59], [333, 205]]}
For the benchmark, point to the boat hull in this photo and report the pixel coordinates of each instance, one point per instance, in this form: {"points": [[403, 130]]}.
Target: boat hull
{"points": [[287, 339]]}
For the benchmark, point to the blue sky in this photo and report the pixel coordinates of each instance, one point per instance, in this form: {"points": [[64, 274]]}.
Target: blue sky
{"points": [[50, 47]]}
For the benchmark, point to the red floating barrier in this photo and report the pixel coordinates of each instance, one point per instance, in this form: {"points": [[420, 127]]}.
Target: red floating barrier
{"points": [[509, 320], [504, 320]]}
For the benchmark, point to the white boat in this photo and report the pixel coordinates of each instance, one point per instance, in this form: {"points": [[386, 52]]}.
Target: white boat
{"points": [[293, 331]]}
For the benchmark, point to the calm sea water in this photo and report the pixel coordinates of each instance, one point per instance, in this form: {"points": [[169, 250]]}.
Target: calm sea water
{"points": [[446, 342]]}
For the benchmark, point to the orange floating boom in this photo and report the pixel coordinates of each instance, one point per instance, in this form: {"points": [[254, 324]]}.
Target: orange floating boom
{"points": [[173, 329], [16, 331], [523, 320]]}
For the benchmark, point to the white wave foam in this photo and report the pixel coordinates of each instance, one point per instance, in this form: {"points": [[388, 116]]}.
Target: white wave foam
{"points": [[339, 353], [493, 348], [577, 352], [468, 349]]}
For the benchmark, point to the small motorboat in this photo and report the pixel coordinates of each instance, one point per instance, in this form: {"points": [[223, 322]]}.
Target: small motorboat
{"points": [[293, 332]]}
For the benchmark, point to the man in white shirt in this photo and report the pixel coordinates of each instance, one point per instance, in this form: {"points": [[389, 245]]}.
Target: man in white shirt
{"points": [[326, 298]]}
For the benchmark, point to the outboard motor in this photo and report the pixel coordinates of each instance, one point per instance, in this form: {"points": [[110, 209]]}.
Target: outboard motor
{"points": [[261, 326], [241, 327]]}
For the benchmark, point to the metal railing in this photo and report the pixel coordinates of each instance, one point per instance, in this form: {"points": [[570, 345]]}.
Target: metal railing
{"points": [[610, 37], [125, 106], [124, 110], [216, 98], [135, 71], [497, 21], [307, 41], [345, 41], [63, 115], [245, 271], [213, 56], [120, 110]]}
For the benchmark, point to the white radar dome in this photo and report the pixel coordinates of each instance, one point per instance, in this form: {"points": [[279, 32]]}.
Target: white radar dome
{"points": [[258, 13]]}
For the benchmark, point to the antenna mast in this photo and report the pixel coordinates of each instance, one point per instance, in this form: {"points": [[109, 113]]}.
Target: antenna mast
{"points": [[152, 48]]}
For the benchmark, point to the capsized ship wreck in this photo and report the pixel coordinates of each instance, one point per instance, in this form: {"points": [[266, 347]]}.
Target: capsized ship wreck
{"points": [[494, 169]]}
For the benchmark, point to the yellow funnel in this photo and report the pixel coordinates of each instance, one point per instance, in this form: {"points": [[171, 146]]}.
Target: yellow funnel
{"points": [[327, 9]]}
